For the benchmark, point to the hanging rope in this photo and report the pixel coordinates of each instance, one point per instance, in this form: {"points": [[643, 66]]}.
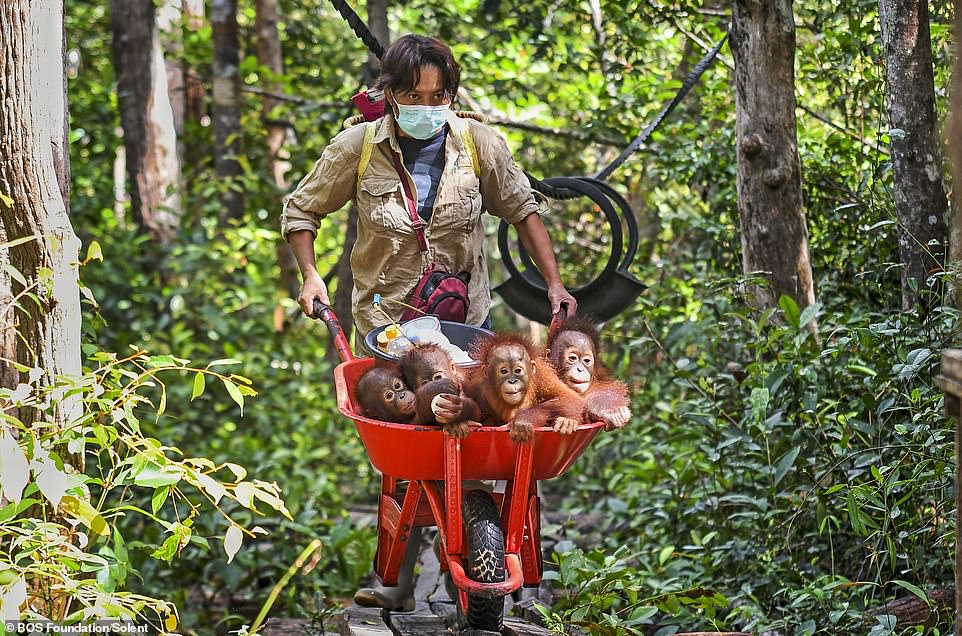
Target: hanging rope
{"points": [[374, 46], [359, 27], [690, 81]]}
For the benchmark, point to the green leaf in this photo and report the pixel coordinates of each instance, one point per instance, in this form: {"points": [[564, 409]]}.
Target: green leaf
{"points": [[235, 394], [790, 307], [14, 273], [199, 384], [784, 463], [94, 252], [17, 241], [156, 476], [665, 553], [244, 493], [167, 550], [87, 514], [6, 201], [161, 361], [12, 509], [159, 497], [232, 541], [913, 589], [239, 471], [809, 314], [224, 361]]}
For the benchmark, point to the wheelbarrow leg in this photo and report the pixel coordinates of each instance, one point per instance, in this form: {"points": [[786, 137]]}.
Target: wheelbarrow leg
{"points": [[521, 516]]}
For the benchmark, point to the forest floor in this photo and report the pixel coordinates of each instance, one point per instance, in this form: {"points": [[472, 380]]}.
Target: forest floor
{"points": [[435, 612]]}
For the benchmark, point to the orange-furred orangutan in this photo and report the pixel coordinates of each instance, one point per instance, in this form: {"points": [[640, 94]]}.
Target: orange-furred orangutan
{"points": [[513, 378], [437, 381], [573, 351], [382, 394]]}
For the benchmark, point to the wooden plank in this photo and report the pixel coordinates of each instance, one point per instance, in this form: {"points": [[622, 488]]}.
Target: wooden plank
{"points": [[952, 363], [958, 525], [447, 612], [429, 576], [514, 626], [290, 627], [417, 624], [363, 621], [950, 381]]}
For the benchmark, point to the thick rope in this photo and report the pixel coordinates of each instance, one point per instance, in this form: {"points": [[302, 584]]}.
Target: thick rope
{"points": [[359, 27], [690, 81]]}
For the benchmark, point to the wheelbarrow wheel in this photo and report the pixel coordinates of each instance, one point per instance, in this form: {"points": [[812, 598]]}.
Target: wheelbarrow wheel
{"points": [[484, 558]]}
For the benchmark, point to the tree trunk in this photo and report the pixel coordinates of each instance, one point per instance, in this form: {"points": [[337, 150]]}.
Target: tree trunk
{"points": [[269, 55], [228, 135], [774, 232], [955, 150], [194, 98], [170, 22], [147, 119], [377, 21], [34, 173], [920, 201]]}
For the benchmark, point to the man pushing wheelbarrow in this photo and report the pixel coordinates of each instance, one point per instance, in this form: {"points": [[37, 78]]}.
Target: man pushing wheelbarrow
{"points": [[420, 177]]}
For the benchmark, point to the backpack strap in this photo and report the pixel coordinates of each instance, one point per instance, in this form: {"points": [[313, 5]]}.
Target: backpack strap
{"points": [[367, 147], [467, 137]]}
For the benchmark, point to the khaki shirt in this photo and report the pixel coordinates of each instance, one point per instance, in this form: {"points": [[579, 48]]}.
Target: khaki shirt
{"points": [[386, 258]]}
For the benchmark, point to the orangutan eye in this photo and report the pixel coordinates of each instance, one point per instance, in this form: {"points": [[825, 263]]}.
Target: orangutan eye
{"points": [[389, 396], [572, 358], [438, 376], [503, 371], [398, 386], [518, 370]]}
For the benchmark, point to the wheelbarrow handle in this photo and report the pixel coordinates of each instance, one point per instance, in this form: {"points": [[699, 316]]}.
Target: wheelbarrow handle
{"points": [[325, 313], [557, 319]]}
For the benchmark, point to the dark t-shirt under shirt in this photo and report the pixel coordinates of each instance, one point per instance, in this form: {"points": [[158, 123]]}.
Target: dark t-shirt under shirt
{"points": [[424, 159]]}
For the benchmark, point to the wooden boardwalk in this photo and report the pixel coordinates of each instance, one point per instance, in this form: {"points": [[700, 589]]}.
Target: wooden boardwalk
{"points": [[434, 614]]}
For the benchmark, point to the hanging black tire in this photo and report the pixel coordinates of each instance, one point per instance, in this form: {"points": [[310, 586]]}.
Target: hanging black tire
{"points": [[484, 560]]}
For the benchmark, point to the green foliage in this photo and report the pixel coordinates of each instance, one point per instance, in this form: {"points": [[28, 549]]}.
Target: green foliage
{"points": [[784, 471], [74, 491], [798, 467]]}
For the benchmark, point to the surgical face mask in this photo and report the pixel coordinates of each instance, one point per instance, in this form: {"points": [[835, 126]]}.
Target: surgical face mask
{"points": [[421, 122]]}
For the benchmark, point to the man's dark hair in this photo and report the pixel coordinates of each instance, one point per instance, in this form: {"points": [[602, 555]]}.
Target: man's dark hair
{"points": [[401, 65]]}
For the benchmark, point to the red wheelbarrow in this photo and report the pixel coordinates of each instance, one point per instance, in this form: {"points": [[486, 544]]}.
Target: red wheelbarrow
{"points": [[490, 542]]}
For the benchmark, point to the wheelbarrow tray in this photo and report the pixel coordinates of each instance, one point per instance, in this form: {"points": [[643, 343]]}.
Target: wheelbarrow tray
{"points": [[409, 451]]}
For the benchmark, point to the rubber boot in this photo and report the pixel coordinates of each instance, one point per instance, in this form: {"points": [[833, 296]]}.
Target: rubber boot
{"points": [[399, 598]]}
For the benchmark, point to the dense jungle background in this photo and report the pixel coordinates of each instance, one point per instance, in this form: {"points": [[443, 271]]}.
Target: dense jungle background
{"points": [[788, 468]]}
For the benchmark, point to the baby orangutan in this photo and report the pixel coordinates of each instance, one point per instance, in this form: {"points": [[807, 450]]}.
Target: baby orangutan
{"points": [[383, 396], [510, 382], [436, 381], [573, 351]]}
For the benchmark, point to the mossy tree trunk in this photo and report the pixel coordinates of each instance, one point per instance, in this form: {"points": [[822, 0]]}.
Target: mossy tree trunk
{"points": [[270, 56], [773, 226], [35, 179], [150, 140], [921, 205], [228, 134]]}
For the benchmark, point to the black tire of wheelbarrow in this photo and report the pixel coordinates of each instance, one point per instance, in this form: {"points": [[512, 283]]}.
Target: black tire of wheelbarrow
{"points": [[484, 558]]}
